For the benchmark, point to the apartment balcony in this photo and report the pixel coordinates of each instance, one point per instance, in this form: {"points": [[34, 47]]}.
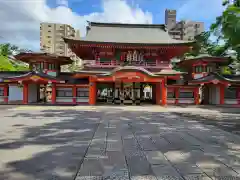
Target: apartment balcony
{"points": [[114, 63]]}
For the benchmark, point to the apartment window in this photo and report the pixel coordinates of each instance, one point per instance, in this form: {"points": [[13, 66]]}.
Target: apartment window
{"points": [[49, 41], [186, 94], [198, 69], [82, 92], [49, 31], [1, 91], [197, 25], [49, 26], [49, 36], [67, 92]]}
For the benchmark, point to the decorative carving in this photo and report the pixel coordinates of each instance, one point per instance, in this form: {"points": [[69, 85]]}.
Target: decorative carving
{"points": [[135, 56], [129, 56]]}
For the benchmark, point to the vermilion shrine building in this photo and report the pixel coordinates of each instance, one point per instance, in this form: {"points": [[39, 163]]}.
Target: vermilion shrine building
{"points": [[121, 59]]}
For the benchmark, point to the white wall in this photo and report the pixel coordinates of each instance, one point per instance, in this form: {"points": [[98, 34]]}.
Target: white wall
{"points": [[32, 93], [83, 99], [231, 101], [1, 97], [15, 93], [214, 95], [64, 99]]}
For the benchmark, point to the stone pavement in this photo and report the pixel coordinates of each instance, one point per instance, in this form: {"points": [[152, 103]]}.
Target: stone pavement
{"points": [[113, 143], [225, 118]]}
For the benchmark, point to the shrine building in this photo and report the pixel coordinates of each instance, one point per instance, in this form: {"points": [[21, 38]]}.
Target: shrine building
{"points": [[122, 64]]}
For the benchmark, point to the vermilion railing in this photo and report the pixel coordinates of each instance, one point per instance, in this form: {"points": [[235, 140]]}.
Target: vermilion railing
{"points": [[112, 63]]}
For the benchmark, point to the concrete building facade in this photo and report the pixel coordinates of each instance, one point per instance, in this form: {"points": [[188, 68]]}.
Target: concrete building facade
{"points": [[182, 30], [51, 40]]}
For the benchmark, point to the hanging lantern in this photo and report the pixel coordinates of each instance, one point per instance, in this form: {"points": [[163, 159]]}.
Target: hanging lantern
{"points": [[20, 85]]}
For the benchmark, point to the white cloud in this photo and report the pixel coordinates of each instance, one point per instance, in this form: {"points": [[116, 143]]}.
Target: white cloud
{"points": [[200, 9], [20, 19]]}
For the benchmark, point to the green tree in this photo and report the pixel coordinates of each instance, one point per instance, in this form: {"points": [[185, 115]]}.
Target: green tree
{"points": [[227, 26], [6, 62]]}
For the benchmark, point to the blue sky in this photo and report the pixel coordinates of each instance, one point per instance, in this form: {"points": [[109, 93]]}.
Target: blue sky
{"points": [[197, 10], [20, 19]]}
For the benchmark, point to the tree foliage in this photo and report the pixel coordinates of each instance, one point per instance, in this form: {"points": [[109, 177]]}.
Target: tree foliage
{"points": [[6, 63], [227, 26], [226, 29]]}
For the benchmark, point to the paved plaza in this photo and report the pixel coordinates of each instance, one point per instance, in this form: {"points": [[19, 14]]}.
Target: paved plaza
{"points": [[113, 143]]}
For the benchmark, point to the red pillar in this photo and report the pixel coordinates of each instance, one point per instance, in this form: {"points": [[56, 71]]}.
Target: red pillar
{"points": [[222, 89], [164, 93], [92, 92], [74, 92], [158, 90], [177, 89], [5, 93], [53, 93], [196, 95], [25, 93]]}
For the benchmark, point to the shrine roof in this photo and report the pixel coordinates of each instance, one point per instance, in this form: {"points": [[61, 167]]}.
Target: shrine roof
{"points": [[135, 68], [212, 77], [151, 34], [28, 57], [4, 74], [169, 71], [28, 75], [206, 57]]}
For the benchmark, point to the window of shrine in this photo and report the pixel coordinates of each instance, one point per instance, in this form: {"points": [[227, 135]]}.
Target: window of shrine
{"points": [[209, 69], [198, 69], [64, 92], [51, 66], [230, 93], [1, 91], [82, 92], [186, 94], [170, 94], [39, 66]]}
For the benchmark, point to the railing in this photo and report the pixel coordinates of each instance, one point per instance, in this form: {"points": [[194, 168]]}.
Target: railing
{"points": [[114, 63]]}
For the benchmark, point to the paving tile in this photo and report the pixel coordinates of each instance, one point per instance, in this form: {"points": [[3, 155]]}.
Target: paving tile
{"points": [[176, 157], [214, 168], [138, 165], [144, 177], [165, 171], [89, 178], [146, 144], [187, 168], [116, 174], [91, 167], [156, 158], [116, 159], [197, 177]]}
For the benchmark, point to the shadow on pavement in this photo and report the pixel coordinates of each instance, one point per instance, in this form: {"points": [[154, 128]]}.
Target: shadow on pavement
{"points": [[149, 145]]}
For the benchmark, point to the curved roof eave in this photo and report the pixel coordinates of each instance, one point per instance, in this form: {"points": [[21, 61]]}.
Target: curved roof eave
{"points": [[212, 77]]}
